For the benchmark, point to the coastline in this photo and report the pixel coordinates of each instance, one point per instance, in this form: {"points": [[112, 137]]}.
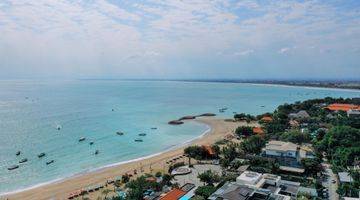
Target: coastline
{"points": [[99, 169], [60, 188]]}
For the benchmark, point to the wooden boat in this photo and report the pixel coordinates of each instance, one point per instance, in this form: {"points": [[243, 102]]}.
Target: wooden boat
{"points": [[142, 134], [18, 153], [13, 167], [49, 162], [41, 155], [138, 140], [153, 128], [119, 133], [91, 143], [82, 139], [23, 160], [96, 152]]}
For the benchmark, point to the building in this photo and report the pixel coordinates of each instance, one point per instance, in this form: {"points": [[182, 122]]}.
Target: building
{"points": [[344, 177], [342, 107], [253, 186], [353, 113], [174, 194], [287, 154], [258, 131], [301, 115]]}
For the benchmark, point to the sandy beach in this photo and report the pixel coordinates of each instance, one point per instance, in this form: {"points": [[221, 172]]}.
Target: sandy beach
{"points": [[61, 189]]}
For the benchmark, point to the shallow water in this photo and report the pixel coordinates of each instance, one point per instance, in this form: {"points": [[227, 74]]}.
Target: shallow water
{"points": [[30, 111]]}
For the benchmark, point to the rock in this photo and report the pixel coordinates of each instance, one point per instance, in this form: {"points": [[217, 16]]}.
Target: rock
{"points": [[207, 115], [187, 117], [175, 122]]}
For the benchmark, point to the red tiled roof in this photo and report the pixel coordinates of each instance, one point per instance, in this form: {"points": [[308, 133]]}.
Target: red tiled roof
{"points": [[258, 130], [342, 107], [174, 194], [209, 150]]}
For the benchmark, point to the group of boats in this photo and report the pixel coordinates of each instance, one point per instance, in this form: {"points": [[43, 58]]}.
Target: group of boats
{"points": [[24, 160]]}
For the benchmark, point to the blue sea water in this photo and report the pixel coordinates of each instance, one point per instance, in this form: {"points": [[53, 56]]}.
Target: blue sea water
{"points": [[30, 111]]}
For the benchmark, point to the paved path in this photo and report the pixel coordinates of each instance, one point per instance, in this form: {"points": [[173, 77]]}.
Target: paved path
{"points": [[332, 187]]}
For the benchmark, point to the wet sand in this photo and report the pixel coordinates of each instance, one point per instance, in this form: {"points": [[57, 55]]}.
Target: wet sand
{"points": [[61, 189]]}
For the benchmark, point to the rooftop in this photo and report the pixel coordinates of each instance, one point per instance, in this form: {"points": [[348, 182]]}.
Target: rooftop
{"points": [[281, 146], [173, 194], [345, 177], [342, 107]]}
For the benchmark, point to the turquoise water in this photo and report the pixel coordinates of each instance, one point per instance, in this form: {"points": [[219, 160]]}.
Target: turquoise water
{"points": [[30, 111]]}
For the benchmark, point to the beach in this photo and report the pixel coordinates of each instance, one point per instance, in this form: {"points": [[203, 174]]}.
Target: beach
{"points": [[61, 189]]}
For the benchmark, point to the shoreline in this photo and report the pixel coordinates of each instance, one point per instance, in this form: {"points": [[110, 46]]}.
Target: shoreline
{"points": [[99, 169], [60, 188]]}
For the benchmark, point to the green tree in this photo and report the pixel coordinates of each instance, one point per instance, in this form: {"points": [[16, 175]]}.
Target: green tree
{"points": [[253, 144], [209, 177], [244, 131], [205, 191]]}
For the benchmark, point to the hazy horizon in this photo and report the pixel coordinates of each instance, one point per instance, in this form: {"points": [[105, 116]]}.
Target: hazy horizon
{"points": [[151, 39]]}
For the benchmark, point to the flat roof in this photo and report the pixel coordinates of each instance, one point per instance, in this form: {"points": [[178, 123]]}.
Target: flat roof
{"points": [[292, 169], [345, 177], [281, 146]]}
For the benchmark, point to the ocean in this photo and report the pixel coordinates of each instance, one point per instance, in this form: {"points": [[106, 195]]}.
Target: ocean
{"points": [[31, 111]]}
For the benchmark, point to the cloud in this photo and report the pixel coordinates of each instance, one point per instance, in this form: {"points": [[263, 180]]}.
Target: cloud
{"points": [[116, 37]]}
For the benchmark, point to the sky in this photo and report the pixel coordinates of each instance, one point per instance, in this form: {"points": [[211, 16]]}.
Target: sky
{"points": [[180, 39]]}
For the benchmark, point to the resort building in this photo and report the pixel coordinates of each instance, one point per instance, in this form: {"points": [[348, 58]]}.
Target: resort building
{"points": [[288, 154], [253, 185], [342, 107]]}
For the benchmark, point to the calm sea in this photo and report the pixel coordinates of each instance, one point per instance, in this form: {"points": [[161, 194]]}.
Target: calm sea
{"points": [[30, 112]]}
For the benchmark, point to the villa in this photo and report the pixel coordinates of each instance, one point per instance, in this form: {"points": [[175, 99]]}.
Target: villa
{"points": [[288, 154], [253, 185]]}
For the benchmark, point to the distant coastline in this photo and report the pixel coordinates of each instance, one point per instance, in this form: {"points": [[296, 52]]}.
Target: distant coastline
{"points": [[352, 85], [334, 84]]}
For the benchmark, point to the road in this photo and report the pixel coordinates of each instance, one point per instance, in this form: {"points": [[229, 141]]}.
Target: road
{"points": [[327, 183]]}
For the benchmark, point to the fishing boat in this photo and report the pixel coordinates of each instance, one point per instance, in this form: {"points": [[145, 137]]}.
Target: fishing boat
{"points": [[49, 162], [82, 139], [142, 134], [58, 127], [96, 152], [153, 128], [23, 160], [138, 140], [18, 153], [41, 155], [13, 167], [119, 133], [91, 143]]}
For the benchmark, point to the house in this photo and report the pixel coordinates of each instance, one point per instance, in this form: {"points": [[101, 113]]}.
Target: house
{"points": [[342, 107], [288, 154], [353, 113], [174, 194], [209, 150], [302, 114], [253, 185], [258, 131], [344, 177]]}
